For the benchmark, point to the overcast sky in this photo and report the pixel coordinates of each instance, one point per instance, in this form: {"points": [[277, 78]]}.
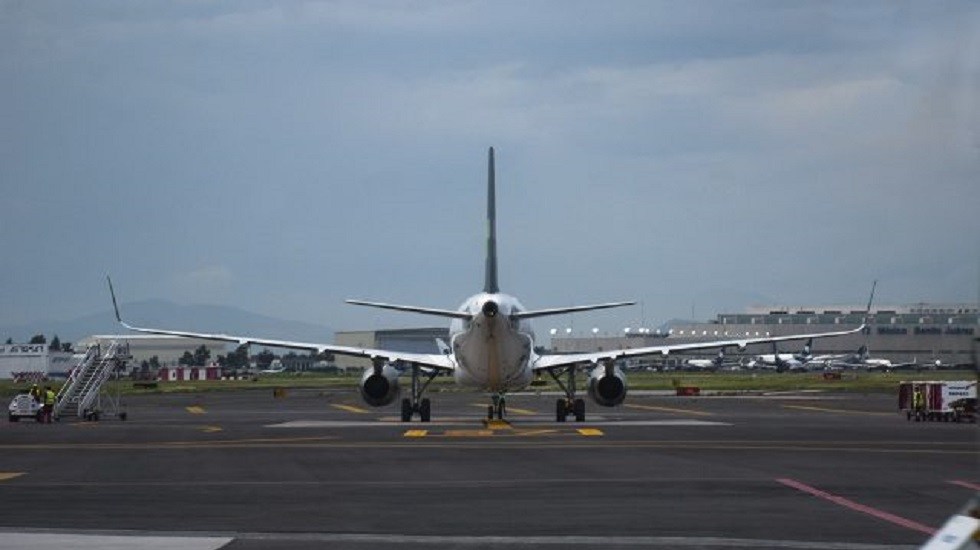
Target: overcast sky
{"points": [[284, 156]]}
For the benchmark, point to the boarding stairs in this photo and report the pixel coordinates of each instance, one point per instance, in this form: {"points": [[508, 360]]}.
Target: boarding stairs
{"points": [[84, 395]]}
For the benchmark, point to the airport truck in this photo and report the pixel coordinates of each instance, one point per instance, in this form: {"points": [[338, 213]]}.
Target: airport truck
{"points": [[945, 401]]}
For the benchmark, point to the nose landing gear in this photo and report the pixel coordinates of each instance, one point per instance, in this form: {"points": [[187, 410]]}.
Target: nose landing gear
{"points": [[498, 409], [566, 407]]}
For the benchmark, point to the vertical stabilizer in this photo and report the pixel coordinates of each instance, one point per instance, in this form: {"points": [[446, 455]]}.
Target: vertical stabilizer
{"points": [[490, 281]]}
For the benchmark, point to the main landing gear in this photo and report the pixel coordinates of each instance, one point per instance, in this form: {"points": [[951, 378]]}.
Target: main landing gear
{"points": [[568, 405], [417, 404], [498, 409]]}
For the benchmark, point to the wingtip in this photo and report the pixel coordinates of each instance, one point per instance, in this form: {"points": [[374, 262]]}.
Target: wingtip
{"points": [[115, 305]]}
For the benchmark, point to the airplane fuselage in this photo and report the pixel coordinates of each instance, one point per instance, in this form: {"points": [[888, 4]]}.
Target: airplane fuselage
{"points": [[492, 350]]}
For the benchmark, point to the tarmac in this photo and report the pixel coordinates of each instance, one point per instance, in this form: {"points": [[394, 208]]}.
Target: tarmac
{"points": [[319, 469]]}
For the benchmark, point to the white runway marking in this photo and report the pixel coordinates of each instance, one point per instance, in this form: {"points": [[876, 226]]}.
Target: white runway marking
{"points": [[471, 422], [59, 541], [157, 540]]}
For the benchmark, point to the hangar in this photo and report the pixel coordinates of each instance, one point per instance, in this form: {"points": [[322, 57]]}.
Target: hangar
{"points": [[167, 349], [417, 340]]}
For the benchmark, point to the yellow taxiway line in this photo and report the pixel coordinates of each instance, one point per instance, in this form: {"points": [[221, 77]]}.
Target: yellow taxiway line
{"points": [[841, 411], [195, 409], [668, 409], [525, 412], [494, 425], [349, 408], [4, 476]]}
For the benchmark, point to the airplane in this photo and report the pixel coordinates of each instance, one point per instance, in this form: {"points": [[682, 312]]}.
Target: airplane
{"points": [[715, 363], [491, 348], [785, 361], [859, 359], [273, 370]]}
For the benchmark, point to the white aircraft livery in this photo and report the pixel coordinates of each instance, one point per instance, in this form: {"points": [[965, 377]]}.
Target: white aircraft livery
{"points": [[491, 347]]}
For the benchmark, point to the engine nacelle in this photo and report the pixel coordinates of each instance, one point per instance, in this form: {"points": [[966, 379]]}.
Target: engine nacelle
{"points": [[607, 386], [379, 388]]}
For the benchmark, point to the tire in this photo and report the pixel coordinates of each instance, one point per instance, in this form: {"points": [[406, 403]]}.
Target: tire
{"points": [[560, 410], [425, 410], [579, 408], [406, 410]]}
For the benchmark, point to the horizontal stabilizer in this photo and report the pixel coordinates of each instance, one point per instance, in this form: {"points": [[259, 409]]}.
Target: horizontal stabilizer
{"points": [[414, 309], [564, 310]]}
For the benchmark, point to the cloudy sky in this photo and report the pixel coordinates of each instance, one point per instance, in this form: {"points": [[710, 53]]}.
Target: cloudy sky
{"points": [[284, 156]]}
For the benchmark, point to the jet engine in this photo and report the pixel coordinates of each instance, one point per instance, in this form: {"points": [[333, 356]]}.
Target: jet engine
{"points": [[379, 387], [607, 385]]}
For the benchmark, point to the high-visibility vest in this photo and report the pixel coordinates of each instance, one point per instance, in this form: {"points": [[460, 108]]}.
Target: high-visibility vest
{"points": [[917, 398], [49, 397]]}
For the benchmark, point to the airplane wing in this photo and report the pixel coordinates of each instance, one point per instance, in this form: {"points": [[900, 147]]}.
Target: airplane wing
{"points": [[551, 361], [433, 360]]}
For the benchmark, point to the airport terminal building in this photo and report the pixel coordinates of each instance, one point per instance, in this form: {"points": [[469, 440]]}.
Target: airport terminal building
{"points": [[922, 332]]}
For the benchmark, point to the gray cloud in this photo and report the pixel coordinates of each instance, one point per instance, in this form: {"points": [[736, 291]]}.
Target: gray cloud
{"points": [[290, 155]]}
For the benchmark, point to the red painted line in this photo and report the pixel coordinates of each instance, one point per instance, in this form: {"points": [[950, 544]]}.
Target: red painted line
{"points": [[966, 484], [857, 507]]}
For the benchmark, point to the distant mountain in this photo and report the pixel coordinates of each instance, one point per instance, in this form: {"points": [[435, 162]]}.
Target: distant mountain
{"points": [[168, 315]]}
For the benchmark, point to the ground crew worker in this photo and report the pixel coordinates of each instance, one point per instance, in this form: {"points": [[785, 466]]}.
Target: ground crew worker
{"points": [[918, 402], [49, 397], [36, 393]]}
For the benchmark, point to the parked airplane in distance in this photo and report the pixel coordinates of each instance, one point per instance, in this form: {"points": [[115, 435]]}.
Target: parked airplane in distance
{"points": [[716, 363], [491, 348], [784, 361], [862, 359], [273, 370]]}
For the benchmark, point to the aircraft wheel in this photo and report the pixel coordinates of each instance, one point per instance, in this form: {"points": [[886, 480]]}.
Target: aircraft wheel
{"points": [[579, 410], [561, 410], [425, 410], [406, 410]]}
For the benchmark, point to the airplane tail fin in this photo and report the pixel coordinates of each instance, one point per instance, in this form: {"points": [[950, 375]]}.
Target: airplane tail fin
{"points": [[863, 352], [490, 285]]}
